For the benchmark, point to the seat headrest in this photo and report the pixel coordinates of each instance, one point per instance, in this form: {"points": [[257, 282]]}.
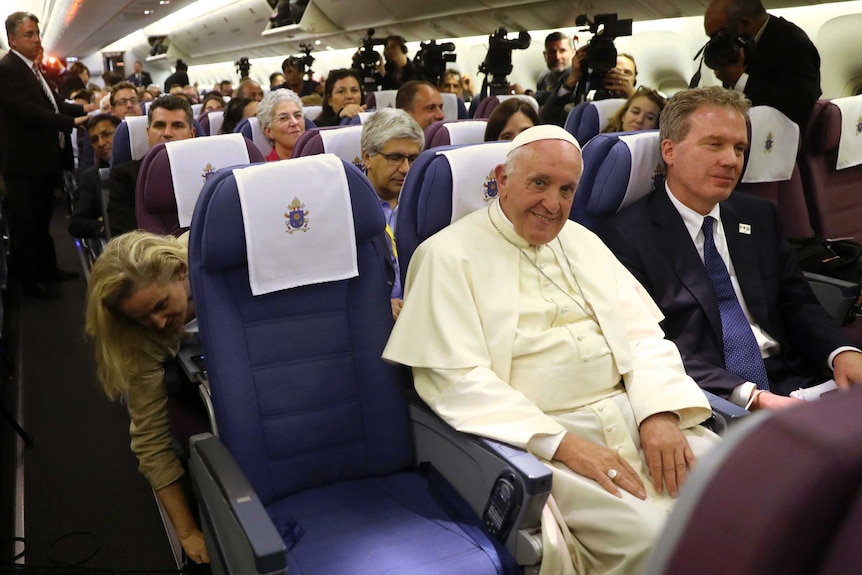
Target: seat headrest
{"points": [[344, 142], [850, 139], [250, 128], [456, 133], [220, 200], [130, 140], [192, 161], [619, 169], [773, 147]]}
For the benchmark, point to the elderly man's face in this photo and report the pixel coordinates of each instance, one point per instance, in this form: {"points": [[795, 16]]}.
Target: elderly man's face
{"points": [[387, 170], [537, 194]]}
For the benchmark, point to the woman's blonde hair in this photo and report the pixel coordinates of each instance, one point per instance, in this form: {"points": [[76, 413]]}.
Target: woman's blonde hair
{"points": [[130, 262], [615, 124]]}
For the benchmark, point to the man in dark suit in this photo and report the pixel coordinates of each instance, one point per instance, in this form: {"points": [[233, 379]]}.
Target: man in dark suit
{"points": [[35, 147], [168, 118], [140, 77], [672, 239], [783, 70]]}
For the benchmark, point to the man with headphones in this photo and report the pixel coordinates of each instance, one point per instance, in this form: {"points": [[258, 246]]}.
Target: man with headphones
{"points": [[398, 68]]}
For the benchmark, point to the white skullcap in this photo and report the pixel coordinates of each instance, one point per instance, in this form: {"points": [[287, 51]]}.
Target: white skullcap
{"points": [[542, 132]]}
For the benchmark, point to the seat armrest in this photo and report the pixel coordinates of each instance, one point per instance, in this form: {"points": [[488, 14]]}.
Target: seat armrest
{"points": [[834, 294], [241, 538], [472, 465], [728, 410]]}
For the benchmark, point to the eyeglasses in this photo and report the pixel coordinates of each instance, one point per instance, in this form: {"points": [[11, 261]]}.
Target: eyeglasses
{"points": [[398, 159], [285, 118], [124, 101]]}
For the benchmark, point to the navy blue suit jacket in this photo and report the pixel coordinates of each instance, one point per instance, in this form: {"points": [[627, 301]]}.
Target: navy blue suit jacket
{"points": [[651, 240]]}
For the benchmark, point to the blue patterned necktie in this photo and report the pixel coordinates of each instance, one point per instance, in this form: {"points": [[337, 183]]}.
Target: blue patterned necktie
{"points": [[741, 352]]}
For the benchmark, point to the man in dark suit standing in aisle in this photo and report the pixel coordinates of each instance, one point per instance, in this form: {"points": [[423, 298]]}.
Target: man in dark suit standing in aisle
{"points": [[140, 77], [735, 302], [35, 147], [783, 69]]}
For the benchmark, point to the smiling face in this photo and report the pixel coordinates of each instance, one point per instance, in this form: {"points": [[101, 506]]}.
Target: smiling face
{"points": [[345, 91], [287, 126], [427, 106], [642, 114], [703, 167], [536, 195], [162, 307]]}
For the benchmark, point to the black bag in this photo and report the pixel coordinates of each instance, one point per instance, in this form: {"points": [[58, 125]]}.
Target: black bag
{"points": [[841, 259]]}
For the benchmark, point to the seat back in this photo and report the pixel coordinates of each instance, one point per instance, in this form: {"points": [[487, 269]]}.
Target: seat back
{"points": [[619, 169], [130, 140], [771, 171], [487, 105], [251, 130], [455, 133], [588, 119], [453, 107], [832, 192], [211, 122], [443, 185], [285, 365], [380, 99], [742, 508], [312, 112], [343, 141], [159, 185]]}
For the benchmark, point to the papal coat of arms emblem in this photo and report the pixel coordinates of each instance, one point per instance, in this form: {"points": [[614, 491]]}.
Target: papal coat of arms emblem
{"points": [[296, 216], [208, 171], [859, 126], [770, 141], [490, 187]]}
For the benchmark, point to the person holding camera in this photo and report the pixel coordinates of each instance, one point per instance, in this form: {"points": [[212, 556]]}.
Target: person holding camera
{"points": [[783, 69], [618, 82]]}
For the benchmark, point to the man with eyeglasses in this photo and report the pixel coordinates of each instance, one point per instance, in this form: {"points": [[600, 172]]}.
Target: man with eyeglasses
{"points": [[36, 124], [391, 142], [124, 100], [87, 220]]}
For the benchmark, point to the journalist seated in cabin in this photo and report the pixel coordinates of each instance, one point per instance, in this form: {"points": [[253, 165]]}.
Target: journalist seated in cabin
{"points": [[734, 299]]}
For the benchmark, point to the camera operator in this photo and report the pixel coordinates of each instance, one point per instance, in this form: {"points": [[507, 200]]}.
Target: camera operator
{"points": [[294, 78], [398, 69], [558, 57], [618, 82], [783, 71]]}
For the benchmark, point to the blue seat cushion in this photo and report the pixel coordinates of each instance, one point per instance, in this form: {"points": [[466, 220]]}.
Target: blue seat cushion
{"points": [[338, 519]]}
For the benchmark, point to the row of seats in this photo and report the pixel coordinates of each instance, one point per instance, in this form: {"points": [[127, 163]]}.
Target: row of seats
{"points": [[281, 487]]}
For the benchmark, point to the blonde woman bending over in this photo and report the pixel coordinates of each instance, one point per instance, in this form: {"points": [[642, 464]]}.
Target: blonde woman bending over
{"points": [[138, 302]]}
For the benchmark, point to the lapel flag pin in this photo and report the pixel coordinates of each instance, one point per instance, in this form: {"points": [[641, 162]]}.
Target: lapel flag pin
{"points": [[745, 229]]}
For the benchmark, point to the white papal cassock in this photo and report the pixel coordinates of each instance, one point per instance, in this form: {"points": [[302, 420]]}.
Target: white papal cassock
{"points": [[520, 343]]}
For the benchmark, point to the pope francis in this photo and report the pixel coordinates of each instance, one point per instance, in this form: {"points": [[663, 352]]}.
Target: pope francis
{"points": [[521, 326]]}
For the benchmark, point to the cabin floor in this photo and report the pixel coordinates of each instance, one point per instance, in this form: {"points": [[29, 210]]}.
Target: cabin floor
{"points": [[84, 502]]}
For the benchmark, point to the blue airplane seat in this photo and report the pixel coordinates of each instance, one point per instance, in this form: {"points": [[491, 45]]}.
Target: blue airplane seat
{"points": [[588, 119], [315, 467]]}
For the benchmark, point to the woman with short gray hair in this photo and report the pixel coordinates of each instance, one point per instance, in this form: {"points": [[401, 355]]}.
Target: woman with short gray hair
{"points": [[282, 120]]}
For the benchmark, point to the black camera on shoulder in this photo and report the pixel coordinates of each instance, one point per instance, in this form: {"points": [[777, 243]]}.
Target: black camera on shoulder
{"points": [[498, 61], [366, 58], [723, 48], [601, 54], [430, 60], [243, 66]]}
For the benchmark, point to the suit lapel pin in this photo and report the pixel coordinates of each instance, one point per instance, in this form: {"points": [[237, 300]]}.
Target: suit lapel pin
{"points": [[745, 229]]}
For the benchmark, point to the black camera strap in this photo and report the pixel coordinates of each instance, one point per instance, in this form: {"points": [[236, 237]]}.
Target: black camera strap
{"points": [[695, 80]]}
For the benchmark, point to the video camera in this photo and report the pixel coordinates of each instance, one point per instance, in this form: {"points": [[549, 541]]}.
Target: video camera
{"points": [[601, 53], [243, 66], [430, 60], [723, 48], [366, 58], [498, 60]]}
